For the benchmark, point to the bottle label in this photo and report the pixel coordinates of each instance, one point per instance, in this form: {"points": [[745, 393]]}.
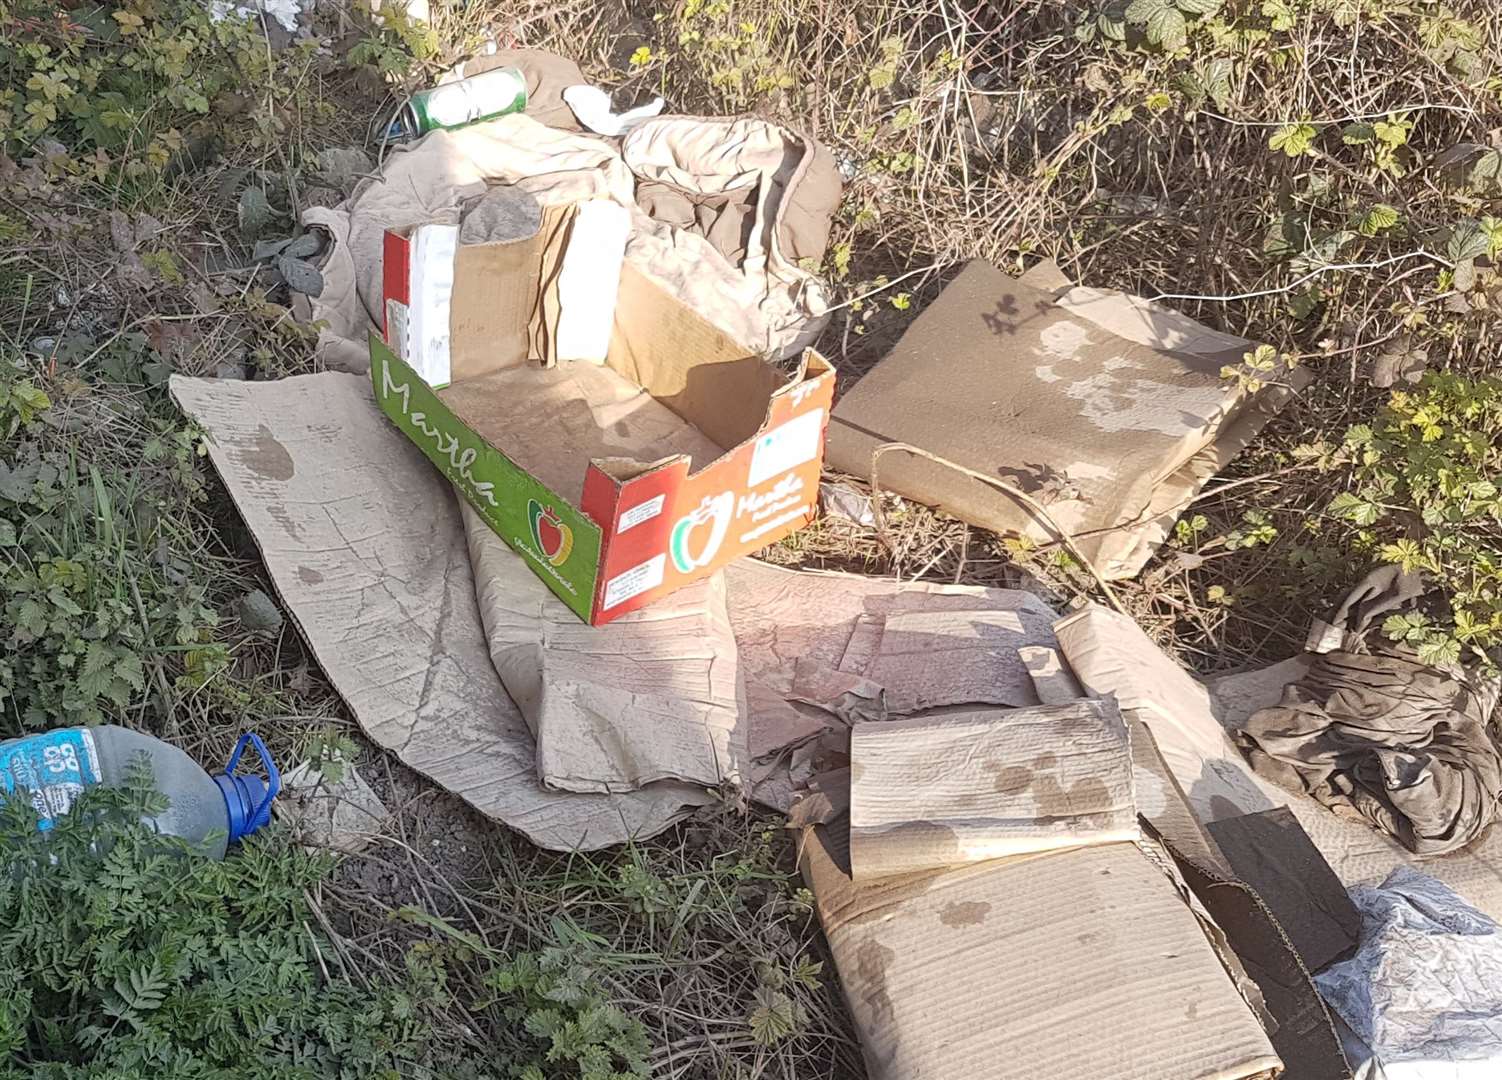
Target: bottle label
{"points": [[52, 769]]}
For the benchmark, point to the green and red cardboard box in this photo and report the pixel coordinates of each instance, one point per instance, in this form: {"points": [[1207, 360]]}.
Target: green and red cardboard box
{"points": [[627, 532]]}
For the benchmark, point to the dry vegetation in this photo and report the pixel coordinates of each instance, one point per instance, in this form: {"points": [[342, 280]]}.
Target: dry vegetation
{"points": [[1288, 172]]}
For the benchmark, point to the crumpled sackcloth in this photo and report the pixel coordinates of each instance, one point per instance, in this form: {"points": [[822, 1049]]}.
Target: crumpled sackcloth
{"points": [[1386, 739]]}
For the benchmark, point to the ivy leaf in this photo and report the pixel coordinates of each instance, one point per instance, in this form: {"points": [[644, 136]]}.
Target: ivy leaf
{"points": [[1358, 134], [1292, 139]]}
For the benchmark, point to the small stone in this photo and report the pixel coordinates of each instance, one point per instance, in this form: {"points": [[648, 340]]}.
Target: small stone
{"points": [[343, 166], [299, 276], [259, 613]]}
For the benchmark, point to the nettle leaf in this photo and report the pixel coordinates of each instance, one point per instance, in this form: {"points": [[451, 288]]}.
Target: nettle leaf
{"points": [[1486, 170], [1210, 81], [1439, 651], [1139, 11], [1293, 139], [1379, 217], [1467, 241], [1167, 28], [1354, 508], [1216, 78]]}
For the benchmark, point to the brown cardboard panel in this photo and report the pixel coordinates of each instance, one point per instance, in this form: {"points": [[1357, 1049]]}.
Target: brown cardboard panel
{"points": [[495, 294], [1273, 854], [655, 695], [1110, 654], [997, 377], [681, 359], [794, 628], [554, 421], [1053, 682], [1077, 965], [979, 784], [977, 650], [1260, 950]]}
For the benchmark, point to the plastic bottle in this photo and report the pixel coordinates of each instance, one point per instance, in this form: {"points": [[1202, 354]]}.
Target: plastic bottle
{"points": [[52, 769]]}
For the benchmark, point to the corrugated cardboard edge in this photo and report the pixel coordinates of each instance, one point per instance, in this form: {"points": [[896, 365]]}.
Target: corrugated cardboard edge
{"points": [[1251, 942], [976, 784]]}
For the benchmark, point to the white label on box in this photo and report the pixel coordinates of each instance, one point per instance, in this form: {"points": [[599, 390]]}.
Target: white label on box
{"points": [[589, 280], [396, 327], [434, 248], [645, 511], [633, 582], [786, 447]]}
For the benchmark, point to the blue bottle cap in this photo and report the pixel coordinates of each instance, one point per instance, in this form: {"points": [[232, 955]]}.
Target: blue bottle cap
{"points": [[247, 799]]}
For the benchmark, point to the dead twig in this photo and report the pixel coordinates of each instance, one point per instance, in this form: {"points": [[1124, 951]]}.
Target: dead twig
{"points": [[1038, 510]]}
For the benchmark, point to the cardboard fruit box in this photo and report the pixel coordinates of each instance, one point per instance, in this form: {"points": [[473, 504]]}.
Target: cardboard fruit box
{"points": [[618, 479]]}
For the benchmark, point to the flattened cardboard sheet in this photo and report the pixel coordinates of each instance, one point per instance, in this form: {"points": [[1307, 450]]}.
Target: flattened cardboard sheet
{"points": [[1245, 930], [1111, 655], [1273, 854], [364, 543], [867, 647], [1075, 965], [967, 786], [1108, 409], [655, 695]]}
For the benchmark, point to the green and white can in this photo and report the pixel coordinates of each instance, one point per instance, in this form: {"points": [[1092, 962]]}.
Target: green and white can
{"points": [[453, 105]]}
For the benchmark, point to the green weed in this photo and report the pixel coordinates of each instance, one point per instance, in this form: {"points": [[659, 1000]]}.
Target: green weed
{"points": [[126, 955], [1424, 495]]}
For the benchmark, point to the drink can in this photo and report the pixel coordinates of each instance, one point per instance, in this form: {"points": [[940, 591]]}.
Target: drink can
{"points": [[453, 105]]}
